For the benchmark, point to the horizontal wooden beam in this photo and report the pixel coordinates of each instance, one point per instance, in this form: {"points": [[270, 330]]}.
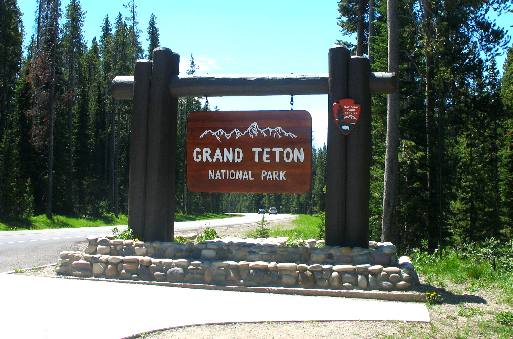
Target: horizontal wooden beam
{"points": [[122, 87], [218, 86]]}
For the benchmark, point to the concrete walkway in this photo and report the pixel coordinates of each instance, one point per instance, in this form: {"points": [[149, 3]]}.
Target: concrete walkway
{"points": [[37, 307]]}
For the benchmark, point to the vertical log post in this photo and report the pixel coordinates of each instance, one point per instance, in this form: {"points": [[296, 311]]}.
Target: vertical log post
{"points": [[138, 147], [337, 148], [359, 157], [161, 149]]}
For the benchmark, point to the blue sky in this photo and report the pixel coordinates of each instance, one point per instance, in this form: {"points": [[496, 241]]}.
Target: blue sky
{"points": [[234, 37]]}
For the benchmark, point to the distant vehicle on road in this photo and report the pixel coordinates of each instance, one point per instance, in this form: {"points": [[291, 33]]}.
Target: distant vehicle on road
{"points": [[273, 210], [261, 211]]}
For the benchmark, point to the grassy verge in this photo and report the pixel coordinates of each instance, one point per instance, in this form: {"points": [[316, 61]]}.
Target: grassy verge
{"points": [[477, 300], [304, 227], [40, 222], [204, 216]]}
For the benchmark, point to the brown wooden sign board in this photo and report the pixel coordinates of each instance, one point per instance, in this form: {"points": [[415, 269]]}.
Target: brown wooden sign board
{"points": [[249, 151]]}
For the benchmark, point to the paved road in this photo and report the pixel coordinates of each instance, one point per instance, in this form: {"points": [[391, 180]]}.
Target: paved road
{"points": [[68, 308], [22, 249]]}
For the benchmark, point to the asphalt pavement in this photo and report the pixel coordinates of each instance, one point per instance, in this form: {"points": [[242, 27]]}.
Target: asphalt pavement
{"points": [[30, 248]]}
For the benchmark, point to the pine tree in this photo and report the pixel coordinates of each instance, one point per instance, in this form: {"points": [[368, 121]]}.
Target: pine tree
{"points": [[10, 54], [73, 49], [43, 75], [153, 36]]}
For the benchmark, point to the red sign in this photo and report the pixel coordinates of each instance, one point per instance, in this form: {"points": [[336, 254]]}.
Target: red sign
{"points": [[346, 113], [253, 151]]}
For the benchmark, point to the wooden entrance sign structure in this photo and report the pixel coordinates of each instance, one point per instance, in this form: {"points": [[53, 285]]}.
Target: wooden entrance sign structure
{"points": [[155, 89]]}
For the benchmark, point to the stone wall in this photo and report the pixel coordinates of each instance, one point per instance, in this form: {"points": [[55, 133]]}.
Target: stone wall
{"points": [[257, 262]]}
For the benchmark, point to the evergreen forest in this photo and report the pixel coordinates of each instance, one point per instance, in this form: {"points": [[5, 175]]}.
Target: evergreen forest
{"points": [[64, 141]]}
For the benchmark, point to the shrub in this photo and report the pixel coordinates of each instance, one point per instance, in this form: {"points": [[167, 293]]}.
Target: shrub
{"points": [[208, 234], [433, 298], [321, 226], [263, 230], [127, 234]]}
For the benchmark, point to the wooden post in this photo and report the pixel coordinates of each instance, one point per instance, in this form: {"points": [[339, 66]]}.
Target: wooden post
{"points": [[138, 147], [161, 151], [359, 157], [337, 148]]}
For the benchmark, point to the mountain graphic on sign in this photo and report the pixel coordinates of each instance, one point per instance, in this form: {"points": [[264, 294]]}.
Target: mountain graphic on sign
{"points": [[252, 131]]}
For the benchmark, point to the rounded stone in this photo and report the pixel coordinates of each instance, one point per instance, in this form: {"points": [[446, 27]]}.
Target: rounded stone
{"points": [[287, 267], [196, 263], [391, 270], [348, 278], [104, 242], [115, 260], [315, 267], [362, 282], [302, 267], [258, 265], [347, 286], [154, 269], [406, 277], [159, 276], [323, 283], [90, 249], [140, 251], [388, 248], [387, 285], [146, 261], [306, 279], [243, 265], [131, 267], [182, 263], [346, 250], [81, 265], [231, 264], [273, 266], [373, 282], [131, 259], [394, 278], [117, 242], [103, 249], [289, 279], [376, 269], [208, 254], [404, 259], [343, 268], [362, 268], [111, 271], [175, 274], [403, 285], [99, 268], [334, 280]]}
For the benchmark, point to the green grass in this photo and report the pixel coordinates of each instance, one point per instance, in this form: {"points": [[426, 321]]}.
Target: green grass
{"points": [[40, 222], [471, 272], [305, 227], [204, 216]]}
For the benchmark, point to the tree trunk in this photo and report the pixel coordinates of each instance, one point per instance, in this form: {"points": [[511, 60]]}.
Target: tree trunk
{"points": [[359, 43], [371, 29], [431, 215], [392, 138], [114, 162]]}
